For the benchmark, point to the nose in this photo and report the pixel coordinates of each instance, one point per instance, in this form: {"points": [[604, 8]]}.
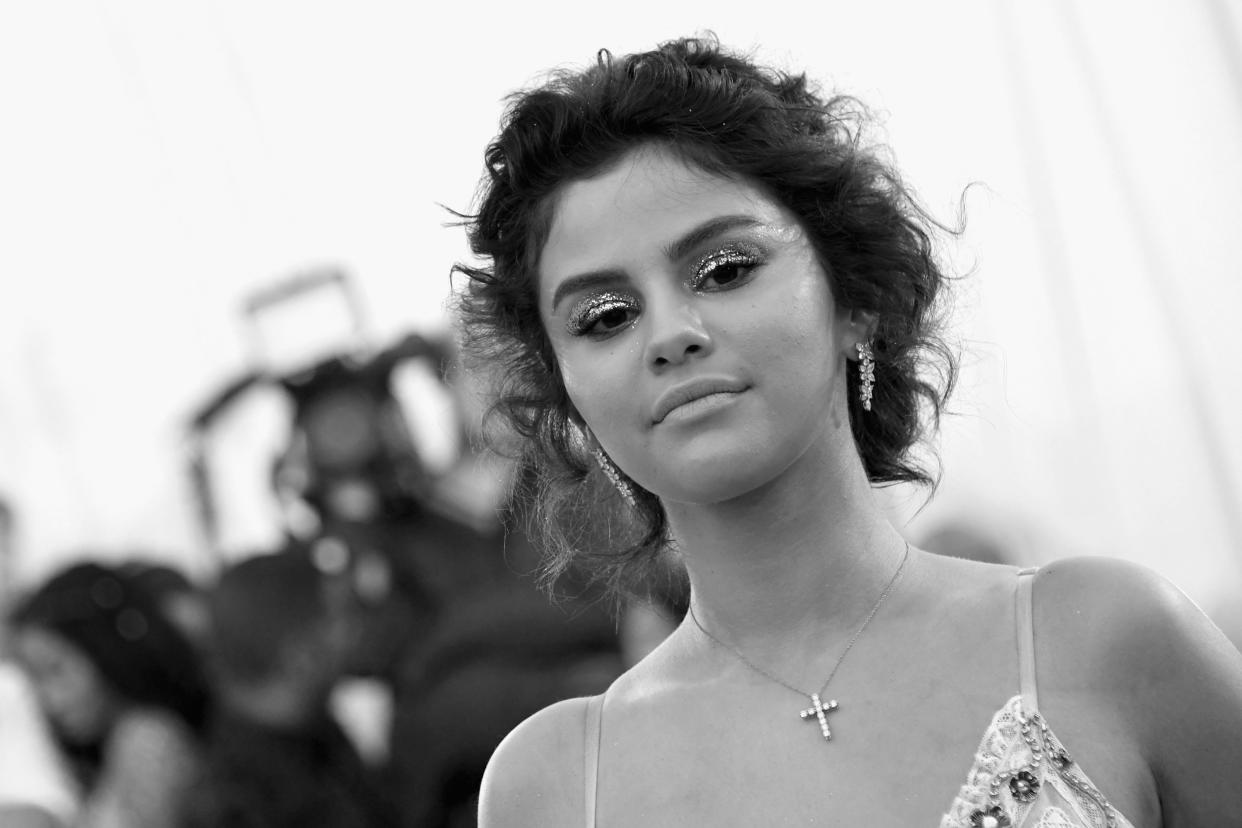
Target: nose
{"points": [[677, 333]]}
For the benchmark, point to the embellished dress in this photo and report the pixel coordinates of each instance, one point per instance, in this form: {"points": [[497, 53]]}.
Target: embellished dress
{"points": [[1022, 776]]}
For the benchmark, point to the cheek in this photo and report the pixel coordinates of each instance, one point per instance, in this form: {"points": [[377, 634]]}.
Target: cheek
{"points": [[801, 368], [599, 385], [576, 378], [797, 333]]}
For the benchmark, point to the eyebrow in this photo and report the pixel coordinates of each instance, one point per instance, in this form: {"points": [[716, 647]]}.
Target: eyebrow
{"points": [[675, 250], [708, 230], [594, 278]]}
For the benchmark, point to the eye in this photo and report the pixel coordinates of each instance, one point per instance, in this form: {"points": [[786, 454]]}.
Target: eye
{"points": [[602, 315], [726, 268]]}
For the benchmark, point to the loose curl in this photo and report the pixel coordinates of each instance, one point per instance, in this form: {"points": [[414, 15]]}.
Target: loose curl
{"points": [[728, 116]]}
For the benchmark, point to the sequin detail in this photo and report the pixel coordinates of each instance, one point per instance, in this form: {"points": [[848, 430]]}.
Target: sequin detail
{"points": [[993, 817], [1023, 777]]}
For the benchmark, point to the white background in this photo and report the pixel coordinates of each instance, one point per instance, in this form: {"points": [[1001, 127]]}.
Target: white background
{"points": [[161, 160]]}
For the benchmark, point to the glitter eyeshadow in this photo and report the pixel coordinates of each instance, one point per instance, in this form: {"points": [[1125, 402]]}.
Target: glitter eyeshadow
{"points": [[736, 254], [589, 309]]}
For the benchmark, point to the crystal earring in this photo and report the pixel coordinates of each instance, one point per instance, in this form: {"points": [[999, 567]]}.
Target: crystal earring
{"points": [[614, 476], [866, 374]]}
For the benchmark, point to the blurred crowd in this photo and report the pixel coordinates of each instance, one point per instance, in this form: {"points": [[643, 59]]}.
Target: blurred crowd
{"points": [[358, 673], [290, 690]]}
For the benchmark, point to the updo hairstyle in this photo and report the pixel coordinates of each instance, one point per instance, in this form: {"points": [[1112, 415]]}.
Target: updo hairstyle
{"points": [[726, 115]]}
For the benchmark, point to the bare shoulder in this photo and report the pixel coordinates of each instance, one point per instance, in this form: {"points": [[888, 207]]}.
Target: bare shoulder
{"points": [[1129, 625], [1125, 616], [1123, 633], [535, 776]]}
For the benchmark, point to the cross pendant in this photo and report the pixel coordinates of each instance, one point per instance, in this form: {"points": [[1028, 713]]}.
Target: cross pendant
{"points": [[818, 711]]}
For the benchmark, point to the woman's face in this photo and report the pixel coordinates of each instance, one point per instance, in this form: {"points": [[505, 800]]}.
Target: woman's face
{"points": [[76, 699], [694, 327]]}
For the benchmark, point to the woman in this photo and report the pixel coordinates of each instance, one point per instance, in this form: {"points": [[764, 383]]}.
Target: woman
{"points": [[122, 690], [704, 288]]}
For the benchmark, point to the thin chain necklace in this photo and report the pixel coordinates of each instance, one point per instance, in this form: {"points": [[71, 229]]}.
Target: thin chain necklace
{"points": [[819, 709]]}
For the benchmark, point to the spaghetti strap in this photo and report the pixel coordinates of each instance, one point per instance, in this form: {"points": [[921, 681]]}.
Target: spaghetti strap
{"points": [[594, 725], [1025, 619]]}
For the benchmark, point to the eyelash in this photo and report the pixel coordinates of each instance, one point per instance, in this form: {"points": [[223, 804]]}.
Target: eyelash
{"points": [[589, 312], [740, 256]]}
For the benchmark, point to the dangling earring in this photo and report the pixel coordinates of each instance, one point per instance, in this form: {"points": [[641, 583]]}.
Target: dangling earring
{"points": [[613, 474], [609, 468], [866, 374]]}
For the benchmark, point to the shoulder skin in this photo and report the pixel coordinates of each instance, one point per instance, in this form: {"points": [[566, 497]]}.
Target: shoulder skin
{"points": [[1174, 675], [536, 777]]}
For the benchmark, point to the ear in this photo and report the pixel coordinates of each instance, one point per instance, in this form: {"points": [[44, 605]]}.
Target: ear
{"points": [[859, 326]]}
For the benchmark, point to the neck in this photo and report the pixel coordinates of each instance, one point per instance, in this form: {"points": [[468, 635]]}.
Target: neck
{"points": [[792, 566]]}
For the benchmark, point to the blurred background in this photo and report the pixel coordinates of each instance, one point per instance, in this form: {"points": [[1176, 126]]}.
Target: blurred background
{"points": [[225, 253], [162, 162]]}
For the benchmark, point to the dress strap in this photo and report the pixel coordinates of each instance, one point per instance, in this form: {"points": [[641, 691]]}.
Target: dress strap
{"points": [[1024, 611], [594, 726]]}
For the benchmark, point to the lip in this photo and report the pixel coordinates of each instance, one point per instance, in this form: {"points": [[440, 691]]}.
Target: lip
{"points": [[688, 392]]}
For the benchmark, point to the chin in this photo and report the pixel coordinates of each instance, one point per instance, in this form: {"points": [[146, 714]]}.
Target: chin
{"points": [[725, 465], [717, 477]]}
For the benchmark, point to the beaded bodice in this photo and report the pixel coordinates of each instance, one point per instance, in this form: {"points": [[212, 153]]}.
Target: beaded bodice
{"points": [[1023, 777]]}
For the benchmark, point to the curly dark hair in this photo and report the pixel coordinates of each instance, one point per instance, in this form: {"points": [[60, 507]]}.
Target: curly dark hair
{"points": [[726, 115]]}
